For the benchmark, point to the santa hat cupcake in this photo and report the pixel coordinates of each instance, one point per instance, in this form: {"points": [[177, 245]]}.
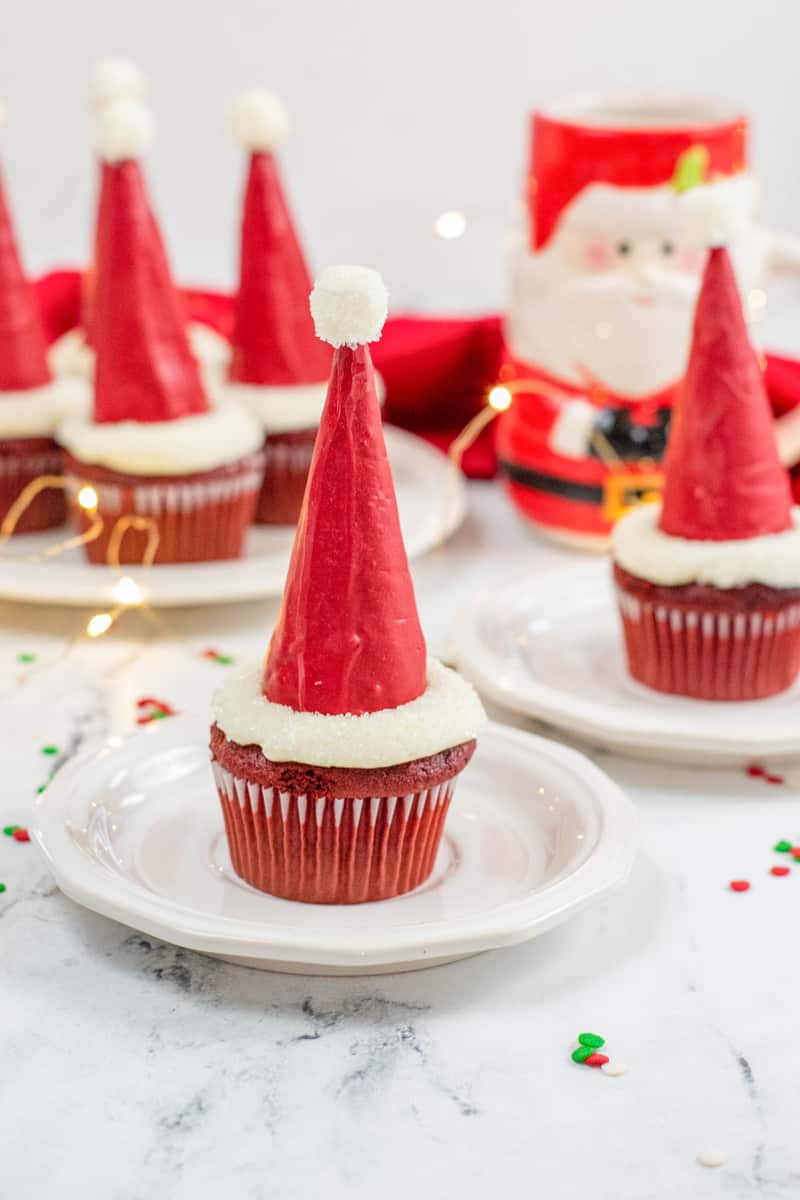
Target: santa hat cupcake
{"points": [[709, 580], [336, 760], [153, 447], [31, 403], [278, 367], [117, 81]]}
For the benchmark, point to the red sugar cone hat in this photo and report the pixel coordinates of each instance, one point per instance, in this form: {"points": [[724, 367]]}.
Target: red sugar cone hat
{"points": [[723, 477], [145, 370], [23, 345], [273, 334], [112, 79], [348, 638]]}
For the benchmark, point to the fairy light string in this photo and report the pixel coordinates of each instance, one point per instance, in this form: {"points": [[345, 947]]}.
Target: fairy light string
{"points": [[127, 592]]}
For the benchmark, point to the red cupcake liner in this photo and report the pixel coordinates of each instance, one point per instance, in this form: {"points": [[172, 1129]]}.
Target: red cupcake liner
{"points": [[199, 519], [21, 461], [287, 462], [331, 851], [711, 654]]}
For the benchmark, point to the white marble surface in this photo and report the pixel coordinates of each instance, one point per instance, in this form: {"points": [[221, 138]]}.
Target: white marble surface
{"points": [[131, 1069]]}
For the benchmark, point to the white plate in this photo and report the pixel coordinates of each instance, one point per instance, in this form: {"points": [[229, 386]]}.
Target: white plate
{"points": [[431, 498], [550, 646], [134, 830]]}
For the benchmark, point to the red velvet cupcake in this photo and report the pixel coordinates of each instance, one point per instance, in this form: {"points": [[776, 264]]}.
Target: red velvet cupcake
{"points": [[709, 582], [32, 403], [278, 368], [336, 762], [154, 446]]}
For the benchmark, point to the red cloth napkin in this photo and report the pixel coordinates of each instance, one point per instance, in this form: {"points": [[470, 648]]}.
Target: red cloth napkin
{"points": [[437, 370]]}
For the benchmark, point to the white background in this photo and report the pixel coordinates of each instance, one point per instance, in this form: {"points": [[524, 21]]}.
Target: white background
{"points": [[400, 109]]}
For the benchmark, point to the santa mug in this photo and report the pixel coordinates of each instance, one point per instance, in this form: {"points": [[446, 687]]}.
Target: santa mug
{"points": [[598, 329]]}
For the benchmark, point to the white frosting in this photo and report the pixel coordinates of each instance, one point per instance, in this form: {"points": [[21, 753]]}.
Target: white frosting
{"points": [[37, 412], [280, 409], [641, 548], [446, 714], [183, 446], [71, 354]]}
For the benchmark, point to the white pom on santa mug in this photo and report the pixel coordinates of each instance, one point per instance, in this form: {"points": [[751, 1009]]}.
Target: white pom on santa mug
{"points": [[716, 213]]}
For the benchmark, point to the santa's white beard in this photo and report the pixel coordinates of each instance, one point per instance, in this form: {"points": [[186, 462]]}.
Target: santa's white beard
{"points": [[630, 334]]}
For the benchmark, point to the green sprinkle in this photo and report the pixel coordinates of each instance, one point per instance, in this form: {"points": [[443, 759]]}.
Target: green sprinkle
{"points": [[592, 1040], [50, 750], [40, 788], [225, 659], [2, 888], [581, 1053], [782, 847], [158, 716], [26, 658], [10, 830]]}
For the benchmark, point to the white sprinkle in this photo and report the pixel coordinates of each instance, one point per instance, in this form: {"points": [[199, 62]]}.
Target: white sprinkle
{"points": [[614, 1068], [712, 1158]]}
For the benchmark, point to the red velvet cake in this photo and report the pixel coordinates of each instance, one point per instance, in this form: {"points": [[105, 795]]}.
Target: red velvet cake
{"points": [[278, 368], [154, 446], [336, 760], [32, 403], [709, 581]]}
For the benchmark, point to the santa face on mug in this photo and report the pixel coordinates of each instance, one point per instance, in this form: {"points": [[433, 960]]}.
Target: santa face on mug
{"points": [[608, 300]]}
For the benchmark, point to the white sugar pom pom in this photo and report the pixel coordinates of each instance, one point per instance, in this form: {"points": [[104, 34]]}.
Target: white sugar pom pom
{"points": [[715, 214], [349, 306], [258, 120], [125, 129], [115, 79]]}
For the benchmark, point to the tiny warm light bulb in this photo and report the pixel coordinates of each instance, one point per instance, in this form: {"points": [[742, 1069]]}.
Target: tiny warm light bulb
{"points": [[127, 591], [757, 299], [500, 398], [87, 498], [99, 624], [451, 224]]}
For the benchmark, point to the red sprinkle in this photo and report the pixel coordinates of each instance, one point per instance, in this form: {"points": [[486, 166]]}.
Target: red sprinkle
{"points": [[21, 835], [774, 779], [779, 871], [795, 852], [756, 771], [209, 654], [739, 885], [595, 1060]]}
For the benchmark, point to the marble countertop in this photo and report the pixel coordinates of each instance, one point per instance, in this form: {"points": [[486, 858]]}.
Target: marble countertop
{"points": [[132, 1069]]}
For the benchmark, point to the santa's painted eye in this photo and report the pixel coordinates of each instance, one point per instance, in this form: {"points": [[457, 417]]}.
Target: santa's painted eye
{"points": [[623, 248], [667, 248]]}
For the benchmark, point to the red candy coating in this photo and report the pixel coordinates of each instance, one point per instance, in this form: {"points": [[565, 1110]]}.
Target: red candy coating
{"points": [[21, 835], [596, 1060], [780, 871], [145, 368], [739, 885], [348, 638], [723, 478]]}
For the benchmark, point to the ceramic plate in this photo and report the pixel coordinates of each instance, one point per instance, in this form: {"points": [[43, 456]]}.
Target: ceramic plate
{"points": [[550, 646], [431, 498], [133, 830]]}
